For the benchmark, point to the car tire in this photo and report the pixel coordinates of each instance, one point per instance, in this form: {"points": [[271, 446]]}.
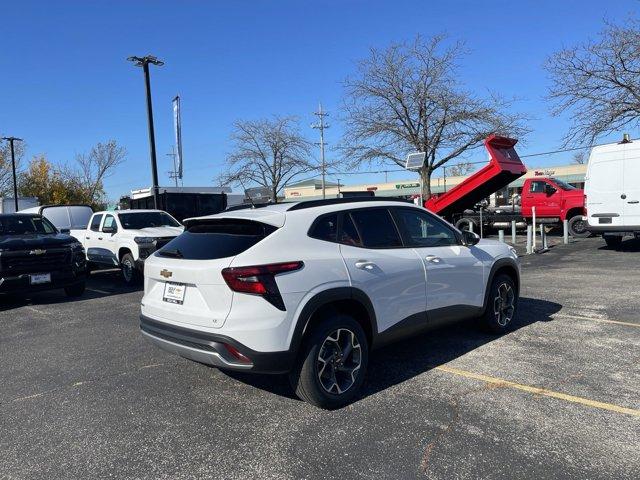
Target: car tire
{"points": [[467, 224], [502, 305], [332, 363], [130, 273], [578, 227], [75, 290], [613, 241]]}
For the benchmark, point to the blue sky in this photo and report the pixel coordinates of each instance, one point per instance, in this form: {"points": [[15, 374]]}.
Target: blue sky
{"points": [[66, 85]]}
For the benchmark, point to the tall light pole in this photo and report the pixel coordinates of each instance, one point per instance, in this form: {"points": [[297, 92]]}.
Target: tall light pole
{"points": [[13, 167], [321, 126], [144, 63]]}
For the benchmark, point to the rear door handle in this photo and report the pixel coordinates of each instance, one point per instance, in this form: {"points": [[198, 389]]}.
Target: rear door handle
{"points": [[634, 201], [365, 265], [99, 238], [87, 238], [432, 259]]}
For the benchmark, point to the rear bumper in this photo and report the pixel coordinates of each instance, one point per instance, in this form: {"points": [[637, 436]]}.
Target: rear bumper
{"points": [[617, 230], [59, 279], [211, 349]]}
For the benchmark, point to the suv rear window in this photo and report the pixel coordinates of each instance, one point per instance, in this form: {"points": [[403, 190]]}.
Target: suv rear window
{"points": [[218, 238]]}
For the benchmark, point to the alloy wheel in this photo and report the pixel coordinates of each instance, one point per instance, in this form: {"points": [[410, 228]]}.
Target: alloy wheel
{"points": [[127, 270], [339, 361], [504, 304]]}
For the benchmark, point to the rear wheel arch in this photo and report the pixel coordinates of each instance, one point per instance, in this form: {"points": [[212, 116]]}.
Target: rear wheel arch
{"points": [[342, 300]]}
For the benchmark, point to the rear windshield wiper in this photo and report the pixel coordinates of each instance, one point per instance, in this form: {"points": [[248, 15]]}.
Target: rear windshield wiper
{"points": [[176, 253]]}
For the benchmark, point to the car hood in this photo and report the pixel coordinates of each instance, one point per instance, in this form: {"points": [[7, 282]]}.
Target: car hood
{"points": [[23, 242], [156, 232]]}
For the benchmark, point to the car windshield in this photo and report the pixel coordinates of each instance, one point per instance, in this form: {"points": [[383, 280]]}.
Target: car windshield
{"points": [[563, 185], [137, 221], [25, 225]]}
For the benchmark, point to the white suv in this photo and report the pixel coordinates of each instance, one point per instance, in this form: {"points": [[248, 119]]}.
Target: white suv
{"points": [[311, 288]]}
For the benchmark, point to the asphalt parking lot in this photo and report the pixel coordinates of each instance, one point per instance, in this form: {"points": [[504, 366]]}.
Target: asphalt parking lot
{"points": [[85, 396]]}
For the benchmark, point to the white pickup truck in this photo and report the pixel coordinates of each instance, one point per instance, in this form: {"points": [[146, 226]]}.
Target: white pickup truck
{"points": [[125, 238]]}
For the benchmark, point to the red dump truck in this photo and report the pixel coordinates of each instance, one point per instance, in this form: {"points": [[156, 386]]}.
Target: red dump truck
{"points": [[554, 200]]}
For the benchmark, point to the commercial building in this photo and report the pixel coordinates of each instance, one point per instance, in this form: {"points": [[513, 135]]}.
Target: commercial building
{"points": [[573, 174]]}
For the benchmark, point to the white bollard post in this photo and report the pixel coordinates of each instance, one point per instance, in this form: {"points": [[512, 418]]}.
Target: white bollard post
{"points": [[533, 229], [513, 232], [481, 223], [501, 236], [565, 228], [529, 248]]}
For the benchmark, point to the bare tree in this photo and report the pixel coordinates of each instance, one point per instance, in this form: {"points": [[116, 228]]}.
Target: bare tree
{"points": [[579, 157], [598, 83], [97, 165], [6, 175], [459, 169], [268, 152], [408, 98]]}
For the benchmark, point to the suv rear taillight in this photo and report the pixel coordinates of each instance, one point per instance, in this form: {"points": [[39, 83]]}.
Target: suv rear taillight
{"points": [[260, 280]]}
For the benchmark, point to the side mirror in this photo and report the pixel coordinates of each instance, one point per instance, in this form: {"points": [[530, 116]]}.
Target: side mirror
{"points": [[469, 238], [65, 230], [109, 229], [549, 189]]}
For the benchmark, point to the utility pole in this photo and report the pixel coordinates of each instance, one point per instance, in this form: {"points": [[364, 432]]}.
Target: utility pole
{"points": [[173, 174], [13, 167], [144, 63], [338, 187], [321, 126]]}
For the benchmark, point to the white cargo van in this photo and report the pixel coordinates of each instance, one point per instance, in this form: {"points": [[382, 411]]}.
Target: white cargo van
{"points": [[71, 219], [612, 190]]}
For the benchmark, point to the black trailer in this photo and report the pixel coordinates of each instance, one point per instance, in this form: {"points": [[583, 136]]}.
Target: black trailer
{"points": [[183, 205]]}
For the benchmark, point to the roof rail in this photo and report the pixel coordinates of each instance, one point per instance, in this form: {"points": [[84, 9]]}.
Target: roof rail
{"points": [[337, 201]]}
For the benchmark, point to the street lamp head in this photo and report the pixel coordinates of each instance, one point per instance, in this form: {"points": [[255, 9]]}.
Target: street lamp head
{"points": [[141, 61], [12, 139]]}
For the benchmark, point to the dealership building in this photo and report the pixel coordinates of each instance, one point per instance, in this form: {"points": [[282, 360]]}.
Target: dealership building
{"points": [[312, 189]]}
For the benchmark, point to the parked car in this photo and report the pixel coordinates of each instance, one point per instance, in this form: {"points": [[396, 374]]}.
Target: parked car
{"points": [[311, 288], [125, 238], [71, 219], [612, 191], [34, 255]]}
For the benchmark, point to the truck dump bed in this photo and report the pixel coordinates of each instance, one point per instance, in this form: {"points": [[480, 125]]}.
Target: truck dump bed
{"points": [[503, 168]]}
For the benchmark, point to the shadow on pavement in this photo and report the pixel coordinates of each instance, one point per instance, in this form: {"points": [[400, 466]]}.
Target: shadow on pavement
{"points": [[406, 359], [631, 244], [101, 283]]}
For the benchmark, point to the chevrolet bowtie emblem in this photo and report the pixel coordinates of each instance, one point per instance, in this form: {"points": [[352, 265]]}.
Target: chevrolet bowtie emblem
{"points": [[166, 273], [37, 252]]}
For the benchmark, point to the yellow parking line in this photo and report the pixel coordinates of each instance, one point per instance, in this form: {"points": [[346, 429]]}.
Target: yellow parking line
{"points": [[539, 391], [602, 320]]}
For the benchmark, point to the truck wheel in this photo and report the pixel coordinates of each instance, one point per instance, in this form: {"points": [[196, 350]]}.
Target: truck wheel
{"points": [[613, 241], [501, 306], [332, 364], [74, 290], [465, 224], [578, 227], [130, 273]]}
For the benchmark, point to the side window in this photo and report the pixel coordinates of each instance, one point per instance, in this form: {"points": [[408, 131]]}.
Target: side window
{"points": [[325, 228], [420, 229], [376, 228], [95, 223], [109, 222], [537, 187], [348, 234]]}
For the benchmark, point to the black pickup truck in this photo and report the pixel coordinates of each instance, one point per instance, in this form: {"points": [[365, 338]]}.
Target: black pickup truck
{"points": [[35, 256]]}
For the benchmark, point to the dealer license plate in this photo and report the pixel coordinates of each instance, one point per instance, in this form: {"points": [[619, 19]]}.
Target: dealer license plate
{"points": [[174, 292], [40, 278]]}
